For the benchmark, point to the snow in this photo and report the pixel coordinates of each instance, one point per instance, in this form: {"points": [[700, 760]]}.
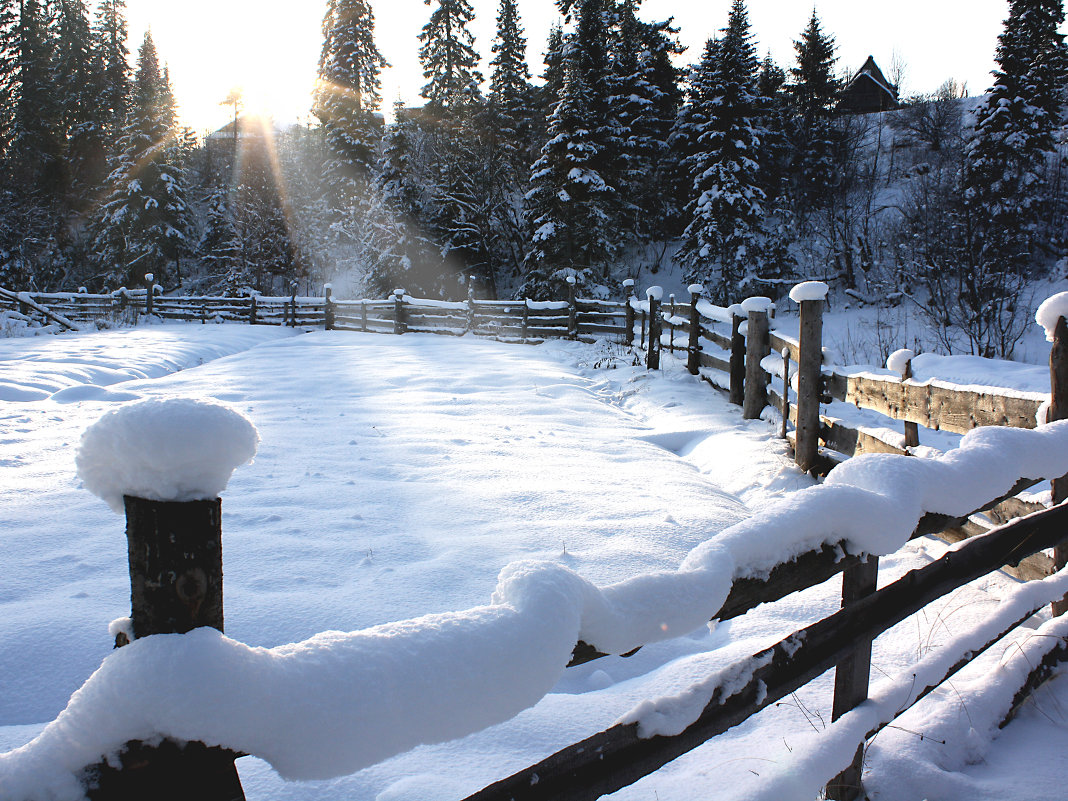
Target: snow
{"points": [[499, 501], [655, 293], [1050, 311], [808, 290], [756, 304], [897, 361], [695, 289], [178, 449]]}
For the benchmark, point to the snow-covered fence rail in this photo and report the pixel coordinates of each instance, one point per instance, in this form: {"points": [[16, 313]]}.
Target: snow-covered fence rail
{"points": [[660, 731]]}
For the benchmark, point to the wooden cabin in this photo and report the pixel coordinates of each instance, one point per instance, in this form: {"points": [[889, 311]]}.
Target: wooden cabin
{"points": [[868, 91]]}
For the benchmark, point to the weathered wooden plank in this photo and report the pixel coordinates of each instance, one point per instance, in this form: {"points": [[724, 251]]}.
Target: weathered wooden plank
{"points": [[714, 336], [780, 342], [934, 407], [714, 362]]}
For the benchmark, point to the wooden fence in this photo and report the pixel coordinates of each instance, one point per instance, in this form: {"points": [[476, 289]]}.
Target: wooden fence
{"points": [[736, 349]]}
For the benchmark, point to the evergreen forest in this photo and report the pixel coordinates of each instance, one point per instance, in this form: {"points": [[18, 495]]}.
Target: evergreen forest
{"points": [[610, 159]]}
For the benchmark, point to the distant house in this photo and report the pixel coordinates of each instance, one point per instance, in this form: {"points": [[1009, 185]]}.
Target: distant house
{"points": [[868, 91], [250, 129]]}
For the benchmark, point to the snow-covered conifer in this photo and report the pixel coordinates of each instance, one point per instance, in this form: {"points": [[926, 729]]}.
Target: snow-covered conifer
{"points": [[450, 62], [723, 243], [349, 88]]}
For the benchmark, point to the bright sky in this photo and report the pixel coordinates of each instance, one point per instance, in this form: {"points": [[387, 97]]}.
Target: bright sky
{"points": [[271, 47]]}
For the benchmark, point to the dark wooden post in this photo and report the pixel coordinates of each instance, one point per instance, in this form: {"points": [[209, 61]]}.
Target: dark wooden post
{"points": [[652, 359], [912, 430], [852, 675], [693, 359], [671, 323], [737, 391], [363, 314], [399, 325], [293, 304], [526, 318], [150, 282], [628, 311], [642, 341], [785, 390], [572, 312], [175, 554], [328, 312], [1058, 410], [757, 346], [252, 310], [809, 384], [470, 308], [203, 313]]}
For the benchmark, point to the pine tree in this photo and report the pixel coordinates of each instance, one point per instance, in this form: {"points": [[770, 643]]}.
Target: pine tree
{"points": [[1004, 171], [510, 82], [508, 120], [109, 34], [814, 92], [78, 80], [723, 244], [450, 63], [144, 225], [36, 135], [645, 100], [569, 203], [349, 87]]}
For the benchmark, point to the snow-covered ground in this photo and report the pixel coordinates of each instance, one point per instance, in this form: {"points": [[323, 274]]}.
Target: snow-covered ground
{"points": [[396, 476]]}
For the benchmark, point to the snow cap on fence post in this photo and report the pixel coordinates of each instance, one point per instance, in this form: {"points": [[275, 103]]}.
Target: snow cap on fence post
{"points": [[809, 290], [1051, 310], [628, 283], [178, 449], [655, 293], [695, 289]]}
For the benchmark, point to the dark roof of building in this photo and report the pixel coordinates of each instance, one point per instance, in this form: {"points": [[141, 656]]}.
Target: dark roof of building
{"points": [[870, 72]]}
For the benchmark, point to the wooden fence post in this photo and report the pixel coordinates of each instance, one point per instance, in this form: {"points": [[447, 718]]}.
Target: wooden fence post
{"points": [[652, 359], [572, 312], [526, 319], [693, 360], [150, 282], [470, 308], [737, 376], [757, 346], [293, 304], [912, 430], [785, 391], [175, 552], [809, 372], [328, 312], [671, 323], [628, 311], [399, 326], [252, 310], [1058, 410], [852, 675]]}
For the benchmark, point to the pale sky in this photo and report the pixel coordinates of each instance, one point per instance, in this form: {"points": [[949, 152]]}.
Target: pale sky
{"points": [[271, 47]]}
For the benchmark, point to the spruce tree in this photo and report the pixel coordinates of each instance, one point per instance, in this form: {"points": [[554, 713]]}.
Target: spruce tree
{"points": [[1004, 172], [36, 135], [109, 34], [450, 63], [144, 224], [724, 241], [510, 81], [814, 93], [349, 88], [78, 80], [569, 204]]}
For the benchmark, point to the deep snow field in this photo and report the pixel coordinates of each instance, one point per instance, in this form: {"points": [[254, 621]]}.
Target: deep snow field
{"points": [[397, 476]]}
